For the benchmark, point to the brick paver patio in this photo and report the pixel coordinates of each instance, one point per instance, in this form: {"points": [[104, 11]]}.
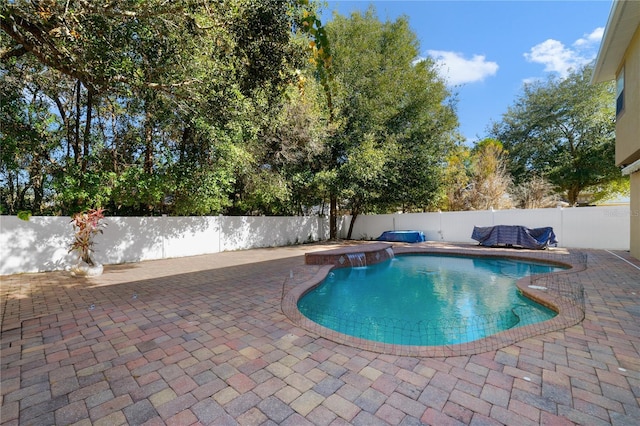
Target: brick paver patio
{"points": [[203, 340]]}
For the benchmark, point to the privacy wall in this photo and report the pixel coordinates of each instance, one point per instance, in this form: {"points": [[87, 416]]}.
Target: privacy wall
{"points": [[581, 227], [42, 243]]}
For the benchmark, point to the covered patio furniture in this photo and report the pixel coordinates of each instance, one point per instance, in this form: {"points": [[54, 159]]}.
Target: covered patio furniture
{"points": [[403, 236], [514, 236]]}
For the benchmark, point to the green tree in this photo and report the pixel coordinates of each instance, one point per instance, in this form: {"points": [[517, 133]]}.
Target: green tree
{"points": [[155, 105], [30, 134], [393, 116], [362, 178], [288, 154], [563, 131]]}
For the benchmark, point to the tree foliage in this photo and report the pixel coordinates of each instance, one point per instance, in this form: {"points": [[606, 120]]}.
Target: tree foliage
{"points": [[477, 178], [290, 153], [196, 107], [394, 117], [562, 130], [142, 106]]}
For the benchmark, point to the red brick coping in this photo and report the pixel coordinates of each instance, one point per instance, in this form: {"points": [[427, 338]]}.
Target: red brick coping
{"points": [[540, 288]]}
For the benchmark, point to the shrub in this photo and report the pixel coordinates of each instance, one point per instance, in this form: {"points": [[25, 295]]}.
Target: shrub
{"points": [[86, 225]]}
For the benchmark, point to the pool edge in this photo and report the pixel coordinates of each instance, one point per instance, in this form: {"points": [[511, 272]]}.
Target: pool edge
{"points": [[568, 311]]}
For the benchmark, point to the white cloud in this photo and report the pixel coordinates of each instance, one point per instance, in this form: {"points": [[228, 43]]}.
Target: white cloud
{"points": [[591, 39], [556, 57], [459, 70]]}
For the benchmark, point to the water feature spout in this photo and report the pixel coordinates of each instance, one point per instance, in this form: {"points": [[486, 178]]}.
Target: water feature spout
{"points": [[389, 251], [357, 259]]}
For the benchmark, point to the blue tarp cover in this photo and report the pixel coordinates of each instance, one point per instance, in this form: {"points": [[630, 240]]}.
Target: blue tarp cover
{"points": [[513, 235], [403, 236]]}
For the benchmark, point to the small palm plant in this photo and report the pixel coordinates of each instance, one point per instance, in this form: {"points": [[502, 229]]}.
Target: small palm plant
{"points": [[86, 225]]}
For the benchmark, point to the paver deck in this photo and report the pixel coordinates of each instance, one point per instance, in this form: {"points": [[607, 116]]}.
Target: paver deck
{"points": [[203, 340]]}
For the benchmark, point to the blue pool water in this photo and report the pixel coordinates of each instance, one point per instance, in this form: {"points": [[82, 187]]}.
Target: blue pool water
{"points": [[426, 300]]}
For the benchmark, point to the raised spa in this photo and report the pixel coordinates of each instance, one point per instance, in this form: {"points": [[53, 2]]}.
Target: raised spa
{"points": [[426, 300]]}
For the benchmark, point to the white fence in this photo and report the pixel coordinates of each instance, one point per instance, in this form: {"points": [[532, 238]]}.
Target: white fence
{"points": [[41, 244], [583, 227]]}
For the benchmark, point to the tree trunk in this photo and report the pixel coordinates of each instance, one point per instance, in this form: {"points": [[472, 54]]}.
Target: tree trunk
{"points": [[572, 195], [21, 204], [66, 121], [10, 198], [38, 196], [148, 154], [148, 145], [333, 217], [87, 132], [354, 216], [186, 138], [76, 136], [37, 177]]}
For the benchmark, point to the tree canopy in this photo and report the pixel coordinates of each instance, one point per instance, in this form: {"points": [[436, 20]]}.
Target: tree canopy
{"points": [[395, 117], [562, 130], [143, 107], [198, 107]]}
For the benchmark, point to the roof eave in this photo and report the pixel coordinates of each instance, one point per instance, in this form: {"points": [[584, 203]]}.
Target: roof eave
{"points": [[623, 21]]}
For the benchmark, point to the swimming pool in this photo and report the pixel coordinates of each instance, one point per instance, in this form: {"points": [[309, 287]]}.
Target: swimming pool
{"points": [[426, 300]]}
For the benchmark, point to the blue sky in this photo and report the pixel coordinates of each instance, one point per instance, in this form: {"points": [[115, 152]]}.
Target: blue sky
{"points": [[487, 50]]}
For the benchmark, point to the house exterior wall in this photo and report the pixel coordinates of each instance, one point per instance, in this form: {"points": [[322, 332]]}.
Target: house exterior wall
{"points": [[634, 213], [628, 122], [620, 47], [628, 134]]}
